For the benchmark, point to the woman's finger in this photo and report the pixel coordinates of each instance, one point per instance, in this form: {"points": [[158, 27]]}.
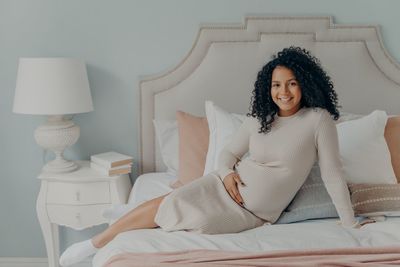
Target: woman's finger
{"points": [[232, 193], [238, 180], [238, 196], [367, 221]]}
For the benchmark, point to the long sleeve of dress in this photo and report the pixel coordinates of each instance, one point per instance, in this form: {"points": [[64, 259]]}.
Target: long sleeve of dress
{"points": [[234, 150], [332, 170]]}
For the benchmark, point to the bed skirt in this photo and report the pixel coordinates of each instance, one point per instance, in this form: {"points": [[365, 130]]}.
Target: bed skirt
{"points": [[350, 257]]}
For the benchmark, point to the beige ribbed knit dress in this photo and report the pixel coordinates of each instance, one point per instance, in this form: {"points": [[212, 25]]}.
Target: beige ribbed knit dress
{"points": [[277, 165]]}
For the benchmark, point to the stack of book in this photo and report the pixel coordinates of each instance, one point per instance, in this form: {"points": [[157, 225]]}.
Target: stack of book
{"points": [[111, 163]]}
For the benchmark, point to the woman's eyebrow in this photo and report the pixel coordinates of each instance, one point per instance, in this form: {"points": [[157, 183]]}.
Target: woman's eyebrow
{"points": [[291, 79]]}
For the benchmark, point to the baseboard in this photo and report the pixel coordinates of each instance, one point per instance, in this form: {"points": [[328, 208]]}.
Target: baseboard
{"points": [[34, 262]]}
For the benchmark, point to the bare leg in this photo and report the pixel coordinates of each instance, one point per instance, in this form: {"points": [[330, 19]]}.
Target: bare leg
{"points": [[142, 217]]}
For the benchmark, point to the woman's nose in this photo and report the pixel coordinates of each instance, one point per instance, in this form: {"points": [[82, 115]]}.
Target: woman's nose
{"points": [[284, 88]]}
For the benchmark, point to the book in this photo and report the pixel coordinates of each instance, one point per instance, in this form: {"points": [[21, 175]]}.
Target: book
{"points": [[111, 159], [124, 169]]}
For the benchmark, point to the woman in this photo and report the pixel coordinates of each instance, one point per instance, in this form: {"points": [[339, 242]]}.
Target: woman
{"points": [[290, 125]]}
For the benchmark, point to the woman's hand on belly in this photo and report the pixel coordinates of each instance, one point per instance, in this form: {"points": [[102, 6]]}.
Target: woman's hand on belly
{"points": [[267, 187], [231, 182]]}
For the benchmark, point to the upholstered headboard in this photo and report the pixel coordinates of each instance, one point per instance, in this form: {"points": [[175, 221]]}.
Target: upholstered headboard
{"points": [[225, 59]]}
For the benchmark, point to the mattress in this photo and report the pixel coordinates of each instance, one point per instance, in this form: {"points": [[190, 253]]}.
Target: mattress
{"points": [[312, 234]]}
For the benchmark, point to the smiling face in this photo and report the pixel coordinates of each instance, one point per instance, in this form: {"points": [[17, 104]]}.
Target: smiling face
{"points": [[285, 91]]}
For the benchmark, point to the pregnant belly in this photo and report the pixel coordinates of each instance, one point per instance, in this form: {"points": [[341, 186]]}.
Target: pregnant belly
{"points": [[267, 189]]}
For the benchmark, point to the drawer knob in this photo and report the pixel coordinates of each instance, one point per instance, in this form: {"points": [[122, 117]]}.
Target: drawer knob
{"points": [[78, 196]]}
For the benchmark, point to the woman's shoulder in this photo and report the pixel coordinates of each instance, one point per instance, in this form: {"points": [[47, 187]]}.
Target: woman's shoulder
{"points": [[251, 124], [322, 119], [317, 114], [251, 121], [317, 117]]}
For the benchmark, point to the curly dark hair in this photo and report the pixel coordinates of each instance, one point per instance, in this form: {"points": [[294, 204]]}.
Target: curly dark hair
{"points": [[316, 86]]}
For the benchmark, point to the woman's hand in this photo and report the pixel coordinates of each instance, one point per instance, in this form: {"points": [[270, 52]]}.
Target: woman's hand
{"points": [[231, 182], [361, 223]]}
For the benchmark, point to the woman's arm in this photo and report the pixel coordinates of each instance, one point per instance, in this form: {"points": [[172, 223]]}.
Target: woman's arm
{"points": [[235, 149], [332, 170]]}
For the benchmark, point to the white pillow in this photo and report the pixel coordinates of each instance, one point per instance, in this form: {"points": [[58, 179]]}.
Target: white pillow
{"points": [[222, 126], [346, 116], [364, 151], [167, 135]]}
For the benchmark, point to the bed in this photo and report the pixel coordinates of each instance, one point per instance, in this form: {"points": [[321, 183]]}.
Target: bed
{"points": [[224, 60]]}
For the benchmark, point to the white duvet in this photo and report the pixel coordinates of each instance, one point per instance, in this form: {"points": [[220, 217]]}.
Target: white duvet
{"points": [[311, 234]]}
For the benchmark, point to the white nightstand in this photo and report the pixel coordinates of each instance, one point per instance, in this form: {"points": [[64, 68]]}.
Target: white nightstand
{"points": [[77, 200]]}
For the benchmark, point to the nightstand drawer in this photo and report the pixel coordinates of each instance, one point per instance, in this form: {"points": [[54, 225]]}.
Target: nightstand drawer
{"points": [[78, 193], [77, 217]]}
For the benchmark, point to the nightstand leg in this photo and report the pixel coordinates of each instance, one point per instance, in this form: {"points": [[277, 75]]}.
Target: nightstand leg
{"points": [[56, 244], [49, 230]]}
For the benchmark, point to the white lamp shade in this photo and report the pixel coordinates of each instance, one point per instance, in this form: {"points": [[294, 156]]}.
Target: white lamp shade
{"points": [[52, 86]]}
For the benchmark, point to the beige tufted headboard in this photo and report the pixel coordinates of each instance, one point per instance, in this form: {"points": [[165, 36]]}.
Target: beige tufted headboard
{"points": [[225, 59]]}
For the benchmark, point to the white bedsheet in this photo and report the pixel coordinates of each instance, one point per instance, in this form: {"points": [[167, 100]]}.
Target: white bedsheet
{"points": [[150, 185], [303, 235], [147, 186]]}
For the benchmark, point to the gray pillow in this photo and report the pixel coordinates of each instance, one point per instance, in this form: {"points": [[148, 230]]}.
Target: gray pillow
{"points": [[312, 201]]}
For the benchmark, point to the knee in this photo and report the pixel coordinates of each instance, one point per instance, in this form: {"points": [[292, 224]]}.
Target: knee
{"points": [[157, 201]]}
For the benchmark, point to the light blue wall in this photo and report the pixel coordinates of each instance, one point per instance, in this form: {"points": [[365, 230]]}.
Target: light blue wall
{"points": [[119, 40]]}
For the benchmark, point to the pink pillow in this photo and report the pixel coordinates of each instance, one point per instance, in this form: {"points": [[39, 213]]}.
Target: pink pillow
{"points": [[193, 145], [392, 136]]}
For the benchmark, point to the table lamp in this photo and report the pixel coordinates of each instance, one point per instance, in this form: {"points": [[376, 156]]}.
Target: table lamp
{"points": [[54, 87]]}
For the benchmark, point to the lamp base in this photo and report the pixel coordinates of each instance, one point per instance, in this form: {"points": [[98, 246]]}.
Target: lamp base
{"points": [[57, 134], [60, 166]]}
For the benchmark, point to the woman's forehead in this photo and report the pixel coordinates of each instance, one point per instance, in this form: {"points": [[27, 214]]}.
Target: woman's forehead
{"points": [[282, 73]]}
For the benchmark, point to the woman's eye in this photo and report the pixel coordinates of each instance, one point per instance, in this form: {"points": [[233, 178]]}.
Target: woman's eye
{"points": [[293, 84], [275, 85]]}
